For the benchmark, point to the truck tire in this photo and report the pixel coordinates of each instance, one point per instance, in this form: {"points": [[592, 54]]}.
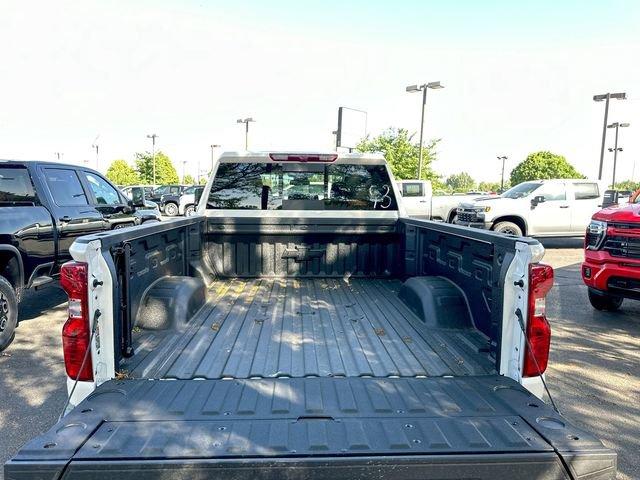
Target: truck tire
{"points": [[171, 209], [508, 228], [8, 313], [190, 210], [604, 301]]}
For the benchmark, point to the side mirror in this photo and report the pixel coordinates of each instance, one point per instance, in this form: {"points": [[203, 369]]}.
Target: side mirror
{"points": [[536, 200], [137, 195]]}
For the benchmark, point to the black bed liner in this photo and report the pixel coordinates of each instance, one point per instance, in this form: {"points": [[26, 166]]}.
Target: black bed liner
{"points": [[478, 427], [308, 327]]}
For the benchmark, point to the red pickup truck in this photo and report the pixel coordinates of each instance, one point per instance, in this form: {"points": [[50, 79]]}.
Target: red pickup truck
{"points": [[611, 267]]}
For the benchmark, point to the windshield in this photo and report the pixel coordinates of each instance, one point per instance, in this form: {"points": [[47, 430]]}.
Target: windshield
{"points": [[189, 191], [521, 190], [162, 190], [308, 186]]}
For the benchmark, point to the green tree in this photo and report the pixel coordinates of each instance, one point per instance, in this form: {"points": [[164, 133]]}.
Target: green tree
{"points": [[627, 185], [460, 182], [203, 180], [121, 173], [188, 180], [543, 165], [402, 153], [165, 171]]}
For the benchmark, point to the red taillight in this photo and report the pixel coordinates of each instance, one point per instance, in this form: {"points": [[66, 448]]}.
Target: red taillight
{"points": [[536, 354], [297, 157], [76, 333]]}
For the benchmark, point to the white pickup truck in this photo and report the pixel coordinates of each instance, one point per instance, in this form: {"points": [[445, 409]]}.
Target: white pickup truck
{"points": [[301, 326], [420, 202], [540, 208]]}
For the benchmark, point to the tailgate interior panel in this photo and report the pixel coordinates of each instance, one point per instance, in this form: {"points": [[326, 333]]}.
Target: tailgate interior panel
{"points": [[125, 422]]}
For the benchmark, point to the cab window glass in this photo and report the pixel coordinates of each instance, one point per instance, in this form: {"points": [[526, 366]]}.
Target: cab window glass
{"points": [[105, 194], [16, 187], [586, 191], [552, 191], [307, 186], [412, 190], [65, 187]]}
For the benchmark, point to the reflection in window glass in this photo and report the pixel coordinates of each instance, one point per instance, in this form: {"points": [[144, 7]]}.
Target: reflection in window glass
{"points": [[65, 187], [312, 186], [105, 194], [586, 191], [553, 191], [16, 187]]}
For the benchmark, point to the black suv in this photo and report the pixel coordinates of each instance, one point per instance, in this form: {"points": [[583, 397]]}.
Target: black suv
{"points": [[44, 207], [168, 198]]}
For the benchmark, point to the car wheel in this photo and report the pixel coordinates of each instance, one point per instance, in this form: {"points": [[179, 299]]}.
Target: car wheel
{"points": [[453, 218], [8, 313], [171, 209], [508, 228], [190, 210], [604, 301]]}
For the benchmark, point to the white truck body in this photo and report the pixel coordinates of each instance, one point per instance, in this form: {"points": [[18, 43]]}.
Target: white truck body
{"points": [[539, 208], [420, 202]]}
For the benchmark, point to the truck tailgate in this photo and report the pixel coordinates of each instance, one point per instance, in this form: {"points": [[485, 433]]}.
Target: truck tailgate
{"points": [[458, 427]]}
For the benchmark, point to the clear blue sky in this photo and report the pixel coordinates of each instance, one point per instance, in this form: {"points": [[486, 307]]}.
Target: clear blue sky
{"points": [[519, 76]]}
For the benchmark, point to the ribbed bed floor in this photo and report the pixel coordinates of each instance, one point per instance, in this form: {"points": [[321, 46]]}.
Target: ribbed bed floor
{"points": [[307, 327]]}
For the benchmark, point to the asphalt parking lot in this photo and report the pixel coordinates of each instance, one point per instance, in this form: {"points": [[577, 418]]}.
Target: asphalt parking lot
{"points": [[594, 370]]}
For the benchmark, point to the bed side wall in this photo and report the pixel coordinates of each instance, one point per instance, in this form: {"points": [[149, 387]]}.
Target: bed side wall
{"points": [[475, 260]]}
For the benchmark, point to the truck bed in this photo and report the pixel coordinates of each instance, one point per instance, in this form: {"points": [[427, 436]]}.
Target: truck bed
{"points": [[307, 328]]}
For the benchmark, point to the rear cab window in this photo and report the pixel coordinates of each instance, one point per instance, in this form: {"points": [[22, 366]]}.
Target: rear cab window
{"points": [[65, 187], [16, 187], [301, 186]]}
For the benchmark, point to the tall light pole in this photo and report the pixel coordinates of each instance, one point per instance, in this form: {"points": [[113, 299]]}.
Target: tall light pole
{"points": [[423, 88], [615, 149], [504, 159], [246, 122], [606, 97], [213, 145], [153, 137], [96, 147]]}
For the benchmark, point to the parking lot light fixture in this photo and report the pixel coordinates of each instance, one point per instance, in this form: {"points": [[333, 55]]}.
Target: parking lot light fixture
{"points": [[504, 159], [246, 122], [213, 146], [606, 97], [616, 149], [153, 137], [423, 88]]}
